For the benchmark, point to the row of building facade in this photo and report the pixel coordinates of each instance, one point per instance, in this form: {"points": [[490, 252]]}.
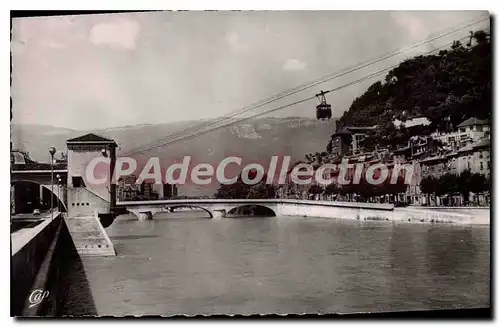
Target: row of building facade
{"points": [[129, 190], [467, 147]]}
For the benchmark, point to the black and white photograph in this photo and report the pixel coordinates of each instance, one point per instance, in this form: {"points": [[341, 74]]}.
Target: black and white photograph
{"points": [[238, 163]]}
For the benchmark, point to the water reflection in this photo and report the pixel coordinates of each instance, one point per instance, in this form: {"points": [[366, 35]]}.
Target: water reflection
{"points": [[77, 299]]}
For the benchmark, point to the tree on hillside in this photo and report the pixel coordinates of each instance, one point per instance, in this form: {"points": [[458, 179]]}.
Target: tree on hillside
{"points": [[396, 188], [348, 190], [454, 83], [447, 185], [315, 189], [464, 184], [262, 191], [240, 190], [487, 184], [478, 184], [332, 189], [428, 186]]}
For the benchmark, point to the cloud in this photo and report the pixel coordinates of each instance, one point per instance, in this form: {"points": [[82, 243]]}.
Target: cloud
{"points": [[52, 44], [415, 27], [47, 32], [120, 34], [294, 65], [17, 47], [234, 41]]}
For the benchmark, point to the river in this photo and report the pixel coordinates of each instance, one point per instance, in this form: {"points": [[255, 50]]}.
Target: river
{"points": [[180, 264]]}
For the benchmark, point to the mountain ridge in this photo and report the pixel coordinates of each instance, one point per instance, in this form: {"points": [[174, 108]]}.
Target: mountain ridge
{"points": [[255, 140]]}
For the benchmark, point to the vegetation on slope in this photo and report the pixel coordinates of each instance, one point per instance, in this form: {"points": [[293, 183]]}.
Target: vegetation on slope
{"points": [[447, 88]]}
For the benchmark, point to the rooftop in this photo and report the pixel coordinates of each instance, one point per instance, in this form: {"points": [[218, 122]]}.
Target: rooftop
{"points": [[416, 121], [466, 148], [433, 159], [90, 138], [348, 130], [473, 121], [38, 166], [485, 143]]}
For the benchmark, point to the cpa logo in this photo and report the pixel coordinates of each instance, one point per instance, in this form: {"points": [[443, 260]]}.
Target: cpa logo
{"points": [[37, 296]]}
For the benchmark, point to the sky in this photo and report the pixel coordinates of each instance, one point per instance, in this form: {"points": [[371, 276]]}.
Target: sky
{"points": [[109, 70]]}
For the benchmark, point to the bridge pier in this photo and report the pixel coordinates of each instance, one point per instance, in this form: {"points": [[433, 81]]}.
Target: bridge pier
{"points": [[217, 214], [148, 215]]}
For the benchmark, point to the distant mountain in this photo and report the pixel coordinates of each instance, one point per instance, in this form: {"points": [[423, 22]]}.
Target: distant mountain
{"points": [[254, 141]]}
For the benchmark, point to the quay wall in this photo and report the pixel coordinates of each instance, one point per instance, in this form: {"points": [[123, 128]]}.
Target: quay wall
{"points": [[445, 215], [341, 210], [373, 211], [38, 265]]}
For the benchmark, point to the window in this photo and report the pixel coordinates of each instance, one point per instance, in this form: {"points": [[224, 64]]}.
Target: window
{"points": [[481, 165], [461, 130], [479, 128], [468, 165], [77, 181]]}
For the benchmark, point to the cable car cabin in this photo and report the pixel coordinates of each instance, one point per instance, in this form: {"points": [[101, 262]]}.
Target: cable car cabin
{"points": [[323, 111]]}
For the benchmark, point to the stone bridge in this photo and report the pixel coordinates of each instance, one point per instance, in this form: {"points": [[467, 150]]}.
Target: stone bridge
{"points": [[42, 175], [280, 207]]}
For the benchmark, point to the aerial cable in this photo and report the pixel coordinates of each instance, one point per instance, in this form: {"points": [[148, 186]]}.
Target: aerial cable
{"points": [[309, 85], [359, 80], [302, 87]]}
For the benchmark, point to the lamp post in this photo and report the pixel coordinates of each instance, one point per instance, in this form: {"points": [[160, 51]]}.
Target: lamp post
{"points": [[58, 194], [52, 151]]}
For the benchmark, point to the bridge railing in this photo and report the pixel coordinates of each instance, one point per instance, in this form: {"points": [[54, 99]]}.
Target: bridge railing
{"points": [[38, 166], [377, 206]]}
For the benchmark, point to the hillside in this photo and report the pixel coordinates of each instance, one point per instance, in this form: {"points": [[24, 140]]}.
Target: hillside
{"points": [[454, 83], [254, 141]]}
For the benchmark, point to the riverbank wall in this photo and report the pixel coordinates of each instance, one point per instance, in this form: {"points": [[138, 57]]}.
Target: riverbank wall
{"points": [[38, 260], [383, 212]]}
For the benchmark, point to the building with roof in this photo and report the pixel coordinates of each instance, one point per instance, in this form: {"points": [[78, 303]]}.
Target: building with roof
{"points": [[84, 196], [349, 139], [416, 121], [416, 148], [358, 133], [473, 124], [341, 143], [434, 166], [126, 188], [468, 132], [475, 158]]}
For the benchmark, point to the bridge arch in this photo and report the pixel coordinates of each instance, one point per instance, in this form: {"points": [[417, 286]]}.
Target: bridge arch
{"points": [[148, 213], [210, 213], [60, 197], [255, 209]]}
